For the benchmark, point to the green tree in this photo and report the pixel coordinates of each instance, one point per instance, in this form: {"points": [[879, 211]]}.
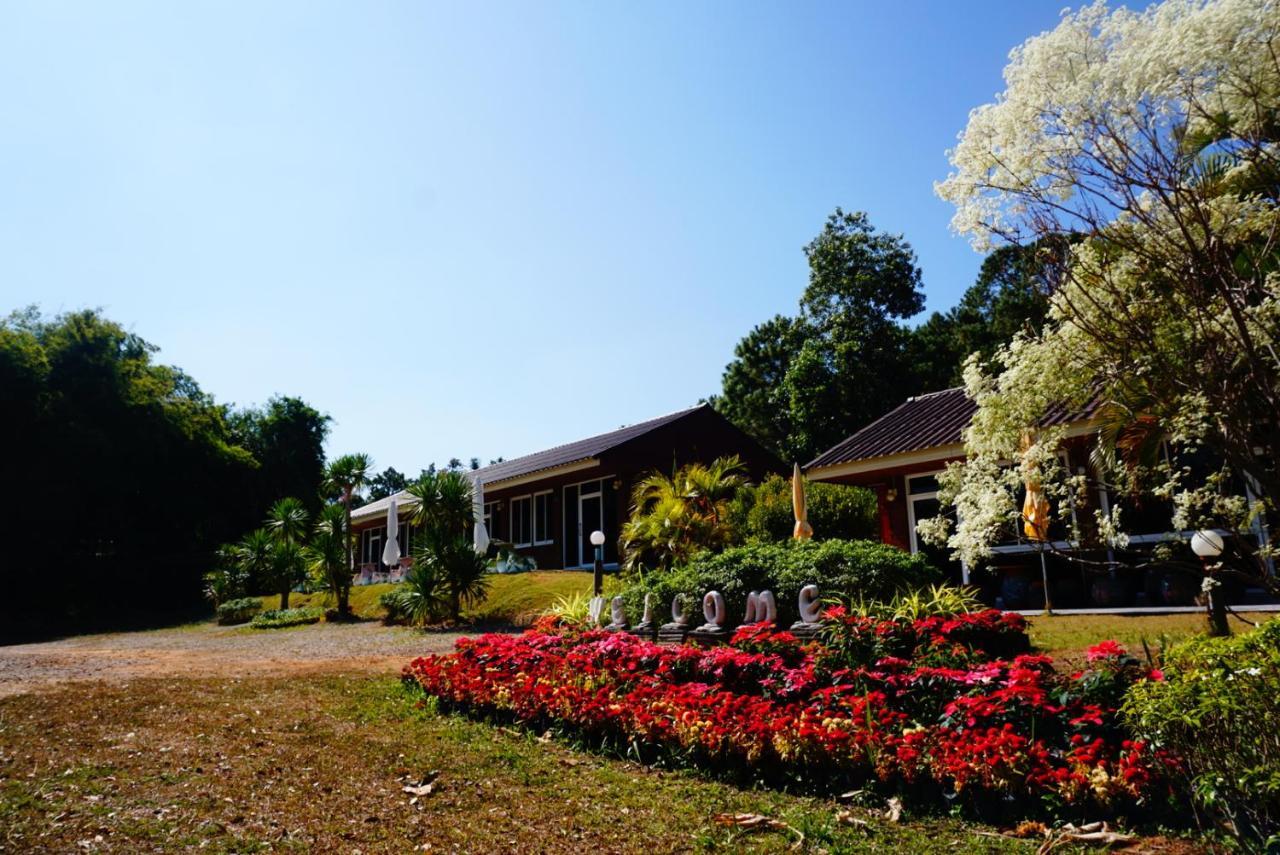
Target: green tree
{"points": [[288, 522], [754, 392], [156, 472], [327, 556], [386, 483], [254, 555], [345, 476], [676, 516], [446, 567], [287, 438], [1010, 296], [801, 385]]}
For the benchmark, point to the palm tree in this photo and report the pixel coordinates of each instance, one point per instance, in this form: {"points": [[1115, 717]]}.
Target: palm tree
{"points": [[345, 476], [287, 522], [675, 516], [459, 573], [445, 558], [254, 555], [326, 554], [444, 504]]}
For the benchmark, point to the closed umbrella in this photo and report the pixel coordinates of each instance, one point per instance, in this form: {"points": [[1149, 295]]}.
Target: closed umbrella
{"points": [[479, 533], [803, 531], [1035, 525], [391, 552]]}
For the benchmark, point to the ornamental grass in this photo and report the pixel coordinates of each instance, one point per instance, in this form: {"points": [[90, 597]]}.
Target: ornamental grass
{"points": [[949, 712]]}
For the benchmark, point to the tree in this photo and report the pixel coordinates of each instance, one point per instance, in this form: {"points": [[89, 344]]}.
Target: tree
{"points": [[386, 483], [287, 522], [157, 475], [287, 438], [254, 555], [675, 516], [1152, 135], [346, 475], [327, 554], [445, 560], [754, 395], [1010, 296], [803, 384]]}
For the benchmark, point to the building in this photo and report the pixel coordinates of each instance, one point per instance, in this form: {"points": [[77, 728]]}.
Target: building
{"points": [[900, 455], [547, 504]]}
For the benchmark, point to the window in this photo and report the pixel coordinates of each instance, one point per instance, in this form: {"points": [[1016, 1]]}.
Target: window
{"points": [[923, 504], [491, 519], [542, 518], [531, 520], [405, 538], [373, 545], [521, 521]]}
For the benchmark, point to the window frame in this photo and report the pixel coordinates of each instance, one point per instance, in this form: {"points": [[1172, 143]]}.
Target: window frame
{"points": [[545, 495], [515, 519]]}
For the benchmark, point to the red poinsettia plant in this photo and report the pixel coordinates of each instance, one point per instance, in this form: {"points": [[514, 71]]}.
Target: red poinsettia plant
{"points": [[939, 708]]}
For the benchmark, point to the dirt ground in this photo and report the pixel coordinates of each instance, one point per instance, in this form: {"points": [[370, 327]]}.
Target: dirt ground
{"points": [[207, 650]]}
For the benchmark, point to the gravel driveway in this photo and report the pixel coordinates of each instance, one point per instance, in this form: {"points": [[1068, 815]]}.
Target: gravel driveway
{"points": [[209, 650]]}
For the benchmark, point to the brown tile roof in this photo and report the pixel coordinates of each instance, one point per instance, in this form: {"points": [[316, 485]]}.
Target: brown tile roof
{"points": [[573, 452], [927, 421], [560, 455]]}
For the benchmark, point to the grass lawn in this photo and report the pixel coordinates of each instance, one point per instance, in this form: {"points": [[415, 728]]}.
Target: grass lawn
{"points": [[1067, 636], [514, 598], [319, 764]]}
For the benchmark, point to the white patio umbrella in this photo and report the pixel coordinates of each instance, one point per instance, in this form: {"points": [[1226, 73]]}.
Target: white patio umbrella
{"points": [[391, 552], [480, 534]]}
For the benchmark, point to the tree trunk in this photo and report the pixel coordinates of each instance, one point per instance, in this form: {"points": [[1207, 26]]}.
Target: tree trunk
{"points": [[284, 598], [344, 589]]}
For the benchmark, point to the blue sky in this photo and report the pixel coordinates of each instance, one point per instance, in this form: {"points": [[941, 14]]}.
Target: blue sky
{"points": [[472, 229]]}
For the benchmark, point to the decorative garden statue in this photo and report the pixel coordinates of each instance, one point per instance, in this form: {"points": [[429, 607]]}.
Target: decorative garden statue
{"points": [[761, 608], [646, 628], [679, 627], [810, 607], [618, 612], [594, 609], [717, 615]]}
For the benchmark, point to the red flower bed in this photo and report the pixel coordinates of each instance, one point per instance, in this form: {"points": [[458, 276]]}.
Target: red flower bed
{"points": [[938, 708]]}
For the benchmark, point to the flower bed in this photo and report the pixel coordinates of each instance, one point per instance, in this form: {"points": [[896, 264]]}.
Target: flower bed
{"points": [[929, 708]]}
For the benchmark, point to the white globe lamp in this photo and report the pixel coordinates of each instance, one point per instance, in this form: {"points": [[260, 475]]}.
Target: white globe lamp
{"points": [[1207, 544]]}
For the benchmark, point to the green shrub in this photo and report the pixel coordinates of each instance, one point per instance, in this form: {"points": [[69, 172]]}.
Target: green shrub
{"points": [[1218, 708], [764, 514], [394, 606], [277, 618], [840, 568], [238, 611]]}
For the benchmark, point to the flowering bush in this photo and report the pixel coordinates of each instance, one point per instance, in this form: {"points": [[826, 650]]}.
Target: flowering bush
{"points": [[1219, 710], [923, 707]]}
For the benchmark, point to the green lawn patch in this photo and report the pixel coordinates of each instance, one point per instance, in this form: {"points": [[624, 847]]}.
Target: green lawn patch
{"points": [[1067, 636], [514, 598]]}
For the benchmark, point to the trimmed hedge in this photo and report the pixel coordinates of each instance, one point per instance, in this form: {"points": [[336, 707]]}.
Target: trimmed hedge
{"points": [[238, 611], [1218, 708], [843, 568], [764, 514], [278, 618]]}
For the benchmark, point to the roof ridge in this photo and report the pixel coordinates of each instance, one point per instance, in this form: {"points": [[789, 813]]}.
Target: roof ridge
{"points": [[593, 436], [934, 393]]}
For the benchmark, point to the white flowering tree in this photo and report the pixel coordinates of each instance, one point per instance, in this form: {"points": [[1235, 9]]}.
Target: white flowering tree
{"points": [[1151, 138]]}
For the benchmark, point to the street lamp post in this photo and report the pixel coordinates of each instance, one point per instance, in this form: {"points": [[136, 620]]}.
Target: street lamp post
{"points": [[597, 540], [1207, 544]]}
